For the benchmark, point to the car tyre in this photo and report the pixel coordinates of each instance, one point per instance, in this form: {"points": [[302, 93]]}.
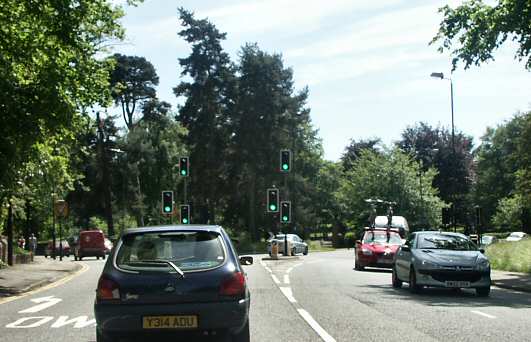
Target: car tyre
{"points": [[75, 257], [397, 283], [483, 291], [244, 335], [103, 256], [305, 251], [97, 257], [293, 251], [413, 286], [100, 337]]}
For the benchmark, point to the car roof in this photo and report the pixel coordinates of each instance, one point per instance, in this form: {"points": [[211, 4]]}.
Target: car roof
{"points": [[173, 228], [433, 232]]}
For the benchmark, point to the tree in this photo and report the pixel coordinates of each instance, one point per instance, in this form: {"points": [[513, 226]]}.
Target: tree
{"points": [[133, 82], [205, 113], [432, 147], [353, 151], [390, 176], [508, 215], [479, 29], [49, 70]]}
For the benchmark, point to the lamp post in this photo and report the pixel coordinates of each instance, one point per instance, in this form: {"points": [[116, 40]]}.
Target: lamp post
{"points": [[441, 76]]}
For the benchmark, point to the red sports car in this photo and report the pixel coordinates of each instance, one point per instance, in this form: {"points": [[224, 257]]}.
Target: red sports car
{"points": [[377, 248]]}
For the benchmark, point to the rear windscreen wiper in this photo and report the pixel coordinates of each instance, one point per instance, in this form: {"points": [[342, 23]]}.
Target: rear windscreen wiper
{"points": [[167, 262]]}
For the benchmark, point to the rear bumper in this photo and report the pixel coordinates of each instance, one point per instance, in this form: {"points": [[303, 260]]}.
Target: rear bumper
{"points": [[439, 278], [126, 319], [91, 251], [376, 261]]}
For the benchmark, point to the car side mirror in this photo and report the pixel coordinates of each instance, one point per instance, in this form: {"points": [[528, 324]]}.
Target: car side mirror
{"points": [[405, 248], [482, 250], [246, 260]]}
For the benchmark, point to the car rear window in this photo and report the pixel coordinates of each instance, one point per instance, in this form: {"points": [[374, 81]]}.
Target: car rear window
{"points": [[443, 241], [188, 250], [380, 237]]}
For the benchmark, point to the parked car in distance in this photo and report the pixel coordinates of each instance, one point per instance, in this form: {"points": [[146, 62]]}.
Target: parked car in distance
{"points": [[487, 240], [516, 236], [377, 248], [108, 246], [171, 281], [441, 259], [297, 244], [48, 251], [91, 243]]}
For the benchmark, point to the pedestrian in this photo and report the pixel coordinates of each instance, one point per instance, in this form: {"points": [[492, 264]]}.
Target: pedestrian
{"points": [[22, 242], [32, 243]]}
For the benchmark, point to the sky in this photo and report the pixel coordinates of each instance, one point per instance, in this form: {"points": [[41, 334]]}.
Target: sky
{"points": [[367, 63]]}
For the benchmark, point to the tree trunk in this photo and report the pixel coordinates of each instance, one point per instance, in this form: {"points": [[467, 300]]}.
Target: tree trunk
{"points": [[10, 234]]}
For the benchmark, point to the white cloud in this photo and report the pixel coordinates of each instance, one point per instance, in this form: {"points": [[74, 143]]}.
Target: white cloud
{"points": [[285, 15]]}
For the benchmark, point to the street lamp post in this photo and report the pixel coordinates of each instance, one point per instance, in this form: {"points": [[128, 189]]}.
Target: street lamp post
{"points": [[441, 76]]}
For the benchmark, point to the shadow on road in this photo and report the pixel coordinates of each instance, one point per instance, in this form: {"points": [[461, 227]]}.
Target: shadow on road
{"points": [[465, 297], [374, 270]]}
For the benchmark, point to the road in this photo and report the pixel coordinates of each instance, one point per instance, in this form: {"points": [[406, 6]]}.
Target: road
{"points": [[319, 297]]}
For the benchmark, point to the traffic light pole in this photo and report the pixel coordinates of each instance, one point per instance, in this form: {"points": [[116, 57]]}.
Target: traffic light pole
{"points": [[287, 198]]}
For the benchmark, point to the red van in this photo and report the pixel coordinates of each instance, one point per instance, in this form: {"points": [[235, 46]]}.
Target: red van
{"points": [[90, 243]]}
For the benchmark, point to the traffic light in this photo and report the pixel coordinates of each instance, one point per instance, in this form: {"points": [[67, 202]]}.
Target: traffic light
{"points": [[185, 214], [445, 216], [285, 212], [167, 202], [184, 166], [272, 200], [285, 161]]}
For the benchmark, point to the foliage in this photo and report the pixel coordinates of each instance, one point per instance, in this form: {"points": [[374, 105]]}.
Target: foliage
{"points": [[479, 29], [353, 150], [503, 163], [510, 256], [508, 215], [390, 176], [49, 71], [132, 82], [350, 239]]}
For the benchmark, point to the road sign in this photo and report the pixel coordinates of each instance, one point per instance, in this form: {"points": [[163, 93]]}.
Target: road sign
{"points": [[61, 208]]}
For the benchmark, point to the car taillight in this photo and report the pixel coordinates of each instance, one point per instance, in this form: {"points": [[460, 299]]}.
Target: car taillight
{"points": [[108, 289], [233, 286]]}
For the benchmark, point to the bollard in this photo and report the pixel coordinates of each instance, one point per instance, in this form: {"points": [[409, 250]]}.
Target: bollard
{"points": [[274, 249]]}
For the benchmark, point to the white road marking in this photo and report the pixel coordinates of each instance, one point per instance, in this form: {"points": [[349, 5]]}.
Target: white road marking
{"points": [[483, 314], [38, 321], [46, 303], [315, 326], [268, 269], [286, 279], [286, 291], [275, 279], [79, 322]]}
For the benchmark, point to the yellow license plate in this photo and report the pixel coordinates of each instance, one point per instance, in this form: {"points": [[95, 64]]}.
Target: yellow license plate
{"points": [[169, 322]]}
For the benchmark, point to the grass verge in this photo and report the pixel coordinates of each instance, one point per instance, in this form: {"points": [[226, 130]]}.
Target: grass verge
{"points": [[511, 256]]}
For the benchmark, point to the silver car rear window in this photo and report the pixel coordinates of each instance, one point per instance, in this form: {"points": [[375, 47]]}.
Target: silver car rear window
{"points": [[188, 250]]}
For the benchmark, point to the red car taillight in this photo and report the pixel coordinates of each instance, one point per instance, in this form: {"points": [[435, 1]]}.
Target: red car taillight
{"points": [[233, 286], [108, 289]]}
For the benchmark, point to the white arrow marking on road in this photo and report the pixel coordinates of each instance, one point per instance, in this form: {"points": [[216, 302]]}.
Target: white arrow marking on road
{"points": [[275, 279], [46, 303], [79, 322], [40, 321]]}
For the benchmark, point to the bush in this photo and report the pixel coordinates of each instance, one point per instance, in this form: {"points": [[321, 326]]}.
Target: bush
{"points": [[350, 239], [18, 250], [511, 256]]}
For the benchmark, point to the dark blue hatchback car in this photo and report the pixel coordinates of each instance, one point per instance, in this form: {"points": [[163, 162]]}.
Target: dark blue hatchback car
{"points": [[173, 281]]}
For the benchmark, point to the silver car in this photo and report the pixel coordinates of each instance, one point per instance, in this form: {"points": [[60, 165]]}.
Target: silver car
{"points": [[297, 244], [441, 259]]}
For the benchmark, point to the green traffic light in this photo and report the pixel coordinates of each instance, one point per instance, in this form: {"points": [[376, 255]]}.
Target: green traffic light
{"points": [[273, 207], [285, 166], [167, 209], [185, 220], [183, 172], [284, 218]]}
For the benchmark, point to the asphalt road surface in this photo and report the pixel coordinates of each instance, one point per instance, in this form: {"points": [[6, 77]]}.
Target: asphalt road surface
{"points": [[319, 297]]}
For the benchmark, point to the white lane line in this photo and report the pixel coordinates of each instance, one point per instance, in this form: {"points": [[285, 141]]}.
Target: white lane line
{"points": [[315, 326], [268, 269], [275, 279], [286, 291], [289, 270], [483, 314], [286, 279]]}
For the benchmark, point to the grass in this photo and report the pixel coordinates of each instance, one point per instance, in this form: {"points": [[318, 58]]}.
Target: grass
{"points": [[511, 256], [315, 246]]}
